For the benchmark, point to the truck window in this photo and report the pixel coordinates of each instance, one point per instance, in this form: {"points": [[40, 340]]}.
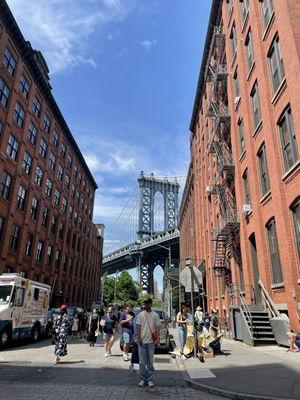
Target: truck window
{"points": [[18, 296], [36, 294], [5, 292]]}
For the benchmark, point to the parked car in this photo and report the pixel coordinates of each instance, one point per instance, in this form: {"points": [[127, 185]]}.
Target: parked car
{"points": [[164, 336]]}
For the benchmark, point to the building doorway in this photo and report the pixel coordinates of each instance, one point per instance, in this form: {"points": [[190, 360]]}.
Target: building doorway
{"points": [[255, 269]]}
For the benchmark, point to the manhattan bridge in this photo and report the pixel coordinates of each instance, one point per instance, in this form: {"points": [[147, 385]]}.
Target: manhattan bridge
{"points": [[148, 225]]}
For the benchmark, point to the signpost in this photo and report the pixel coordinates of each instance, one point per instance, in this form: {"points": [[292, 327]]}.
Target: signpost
{"points": [[191, 279]]}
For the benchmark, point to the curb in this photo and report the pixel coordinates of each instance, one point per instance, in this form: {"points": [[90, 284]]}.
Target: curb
{"points": [[223, 392]]}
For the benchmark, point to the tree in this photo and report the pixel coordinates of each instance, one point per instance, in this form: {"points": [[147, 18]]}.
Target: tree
{"points": [[121, 290]]}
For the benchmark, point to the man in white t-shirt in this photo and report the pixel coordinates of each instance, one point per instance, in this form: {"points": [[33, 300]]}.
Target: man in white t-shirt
{"points": [[148, 323]]}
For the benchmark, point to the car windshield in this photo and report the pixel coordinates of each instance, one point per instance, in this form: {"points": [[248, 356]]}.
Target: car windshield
{"points": [[5, 292]]}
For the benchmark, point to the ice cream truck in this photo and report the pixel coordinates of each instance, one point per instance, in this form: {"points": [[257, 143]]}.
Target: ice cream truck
{"points": [[23, 308]]}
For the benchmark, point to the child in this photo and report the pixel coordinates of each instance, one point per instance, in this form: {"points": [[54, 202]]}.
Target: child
{"points": [[75, 327]]}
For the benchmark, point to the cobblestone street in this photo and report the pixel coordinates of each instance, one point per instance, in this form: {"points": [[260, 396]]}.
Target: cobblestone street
{"points": [[27, 372]]}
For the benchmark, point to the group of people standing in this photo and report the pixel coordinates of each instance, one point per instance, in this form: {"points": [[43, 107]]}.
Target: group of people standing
{"points": [[209, 323], [139, 330]]}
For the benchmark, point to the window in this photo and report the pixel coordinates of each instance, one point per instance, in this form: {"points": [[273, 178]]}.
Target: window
{"points": [[274, 252], [63, 150], [32, 132], [288, 139], [53, 223], [55, 138], [61, 230], [67, 181], [242, 135], [276, 64], [38, 176], [263, 170], [73, 190], [1, 127], [57, 258], [249, 49], [4, 93], [14, 239], [69, 160], [34, 208], [12, 147], [24, 86], [79, 177], [295, 208], [236, 84], [233, 40], [21, 198], [36, 293], [26, 165], [2, 220], [36, 107], [19, 115], [229, 6], [52, 161], [246, 187], [48, 187], [267, 11], [45, 217], [60, 172], [28, 244], [255, 105], [9, 62], [46, 123], [49, 255], [56, 197], [245, 9], [5, 186], [43, 148], [75, 171], [39, 251], [64, 205], [18, 296]]}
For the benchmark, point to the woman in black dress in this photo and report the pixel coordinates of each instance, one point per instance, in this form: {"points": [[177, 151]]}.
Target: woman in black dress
{"points": [[93, 328]]}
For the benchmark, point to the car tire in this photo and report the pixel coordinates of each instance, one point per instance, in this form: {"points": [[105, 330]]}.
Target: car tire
{"points": [[4, 337], [35, 334]]}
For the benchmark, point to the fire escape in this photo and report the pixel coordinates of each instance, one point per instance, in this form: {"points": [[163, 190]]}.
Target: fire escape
{"points": [[219, 144]]}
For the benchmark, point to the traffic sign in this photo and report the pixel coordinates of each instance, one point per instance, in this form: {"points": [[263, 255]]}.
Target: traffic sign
{"points": [[191, 278]]}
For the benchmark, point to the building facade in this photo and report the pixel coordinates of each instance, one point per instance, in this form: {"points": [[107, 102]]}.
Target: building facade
{"points": [[46, 189], [241, 213]]}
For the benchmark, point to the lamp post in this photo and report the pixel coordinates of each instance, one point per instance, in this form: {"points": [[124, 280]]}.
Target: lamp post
{"points": [[115, 294]]}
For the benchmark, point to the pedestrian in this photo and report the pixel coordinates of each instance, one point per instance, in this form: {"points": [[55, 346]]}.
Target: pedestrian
{"points": [[126, 322], [61, 326], [109, 325], [148, 323], [214, 324], [93, 328], [206, 320], [135, 348], [198, 317], [82, 324], [75, 327], [182, 319], [101, 314]]}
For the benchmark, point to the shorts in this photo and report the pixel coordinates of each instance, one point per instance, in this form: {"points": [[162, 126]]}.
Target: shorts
{"points": [[127, 337], [107, 336]]}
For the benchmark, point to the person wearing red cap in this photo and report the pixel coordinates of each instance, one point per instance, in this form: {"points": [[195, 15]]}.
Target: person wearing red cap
{"points": [[61, 326]]}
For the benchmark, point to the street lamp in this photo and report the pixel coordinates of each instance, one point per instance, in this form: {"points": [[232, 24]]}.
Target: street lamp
{"points": [[115, 294]]}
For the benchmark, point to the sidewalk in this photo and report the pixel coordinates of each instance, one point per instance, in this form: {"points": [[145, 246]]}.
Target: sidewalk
{"points": [[247, 372]]}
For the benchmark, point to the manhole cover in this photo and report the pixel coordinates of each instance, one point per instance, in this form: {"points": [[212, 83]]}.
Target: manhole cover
{"points": [[162, 360]]}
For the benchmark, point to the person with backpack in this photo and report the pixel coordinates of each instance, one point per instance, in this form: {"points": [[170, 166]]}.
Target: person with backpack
{"points": [[109, 325]]}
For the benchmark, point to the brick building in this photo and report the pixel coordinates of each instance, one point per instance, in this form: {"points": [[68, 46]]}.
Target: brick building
{"points": [[46, 189], [240, 211]]}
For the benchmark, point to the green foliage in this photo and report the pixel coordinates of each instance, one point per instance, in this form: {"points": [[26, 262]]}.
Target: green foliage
{"points": [[121, 290]]}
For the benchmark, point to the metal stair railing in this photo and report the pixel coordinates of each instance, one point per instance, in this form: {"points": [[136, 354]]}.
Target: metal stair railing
{"points": [[270, 305]]}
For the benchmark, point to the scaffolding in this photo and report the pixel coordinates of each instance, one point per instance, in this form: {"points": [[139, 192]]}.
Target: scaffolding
{"points": [[219, 146]]}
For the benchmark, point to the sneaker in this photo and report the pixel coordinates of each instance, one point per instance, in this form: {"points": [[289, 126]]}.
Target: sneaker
{"points": [[126, 358], [109, 353], [150, 384], [56, 361], [106, 354], [141, 383]]}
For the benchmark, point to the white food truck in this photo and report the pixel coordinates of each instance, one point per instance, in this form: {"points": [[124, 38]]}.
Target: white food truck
{"points": [[23, 308]]}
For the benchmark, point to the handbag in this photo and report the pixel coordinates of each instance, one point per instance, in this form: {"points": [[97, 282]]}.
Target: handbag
{"points": [[154, 333]]}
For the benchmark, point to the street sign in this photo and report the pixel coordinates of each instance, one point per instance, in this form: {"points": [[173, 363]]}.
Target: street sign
{"points": [[191, 278]]}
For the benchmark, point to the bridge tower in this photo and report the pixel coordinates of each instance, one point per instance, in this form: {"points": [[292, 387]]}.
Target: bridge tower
{"points": [[148, 187]]}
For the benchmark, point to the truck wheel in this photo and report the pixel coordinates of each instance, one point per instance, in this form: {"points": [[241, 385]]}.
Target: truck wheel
{"points": [[35, 334], [4, 337]]}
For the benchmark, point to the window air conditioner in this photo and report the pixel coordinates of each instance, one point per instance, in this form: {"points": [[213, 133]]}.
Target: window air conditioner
{"points": [[246, 209], [236, 100]]}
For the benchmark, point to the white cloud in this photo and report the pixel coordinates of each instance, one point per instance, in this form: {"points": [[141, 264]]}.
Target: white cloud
{"points": [[61, 28], [148, 44], [114, 163]]}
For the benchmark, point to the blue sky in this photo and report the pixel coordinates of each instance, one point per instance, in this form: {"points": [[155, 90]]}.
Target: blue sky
{"points": [[124, 73]]}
